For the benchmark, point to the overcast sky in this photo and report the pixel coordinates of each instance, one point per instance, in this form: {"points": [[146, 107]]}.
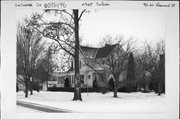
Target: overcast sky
{"points": [[140, 24]]}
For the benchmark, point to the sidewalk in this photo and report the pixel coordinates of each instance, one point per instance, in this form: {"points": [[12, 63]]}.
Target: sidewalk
{"points": [[42, 108], [20, 109]]}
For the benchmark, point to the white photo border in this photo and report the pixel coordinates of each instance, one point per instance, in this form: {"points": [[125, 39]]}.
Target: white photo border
{"points": [[8, 61]]}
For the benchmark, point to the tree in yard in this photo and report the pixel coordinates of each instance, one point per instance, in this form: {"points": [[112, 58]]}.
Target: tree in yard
{"points": [[130, 74], [142, 67], [64, 30], [29, 51], [147, 61], [46, 66], [117, 63], [102, 74]]}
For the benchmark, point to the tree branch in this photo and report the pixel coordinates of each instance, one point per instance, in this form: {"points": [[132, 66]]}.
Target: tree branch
{"points": [[57, 42], [81, 14]]}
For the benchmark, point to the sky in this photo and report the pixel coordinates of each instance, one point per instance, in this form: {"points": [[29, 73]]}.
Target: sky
{"points": [[141, 25]]}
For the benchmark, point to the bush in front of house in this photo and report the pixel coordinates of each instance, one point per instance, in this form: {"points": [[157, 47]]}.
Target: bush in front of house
{"points": [[70, 89]]}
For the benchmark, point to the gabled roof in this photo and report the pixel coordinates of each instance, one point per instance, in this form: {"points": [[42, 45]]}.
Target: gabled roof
{"points": [[92, 52], [89, 52], [104, 51]]}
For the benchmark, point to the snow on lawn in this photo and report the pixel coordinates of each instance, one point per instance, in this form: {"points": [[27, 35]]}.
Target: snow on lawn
{"points": [[98, 102]]}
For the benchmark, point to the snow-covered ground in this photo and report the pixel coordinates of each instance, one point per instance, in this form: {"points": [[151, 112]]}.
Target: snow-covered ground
{"points": [[98, 102], [27, 110]]}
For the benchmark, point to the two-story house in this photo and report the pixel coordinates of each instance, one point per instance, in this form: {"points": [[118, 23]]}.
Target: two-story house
{"points": [[89, 65]]}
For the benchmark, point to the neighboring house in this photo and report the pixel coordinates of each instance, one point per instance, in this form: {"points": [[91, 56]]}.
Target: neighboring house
{"points": [[87, 74], [21, 83]]}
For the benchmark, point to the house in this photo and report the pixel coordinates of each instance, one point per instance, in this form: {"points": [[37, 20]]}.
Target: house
{"points": [[20, 83], [88, 70]]}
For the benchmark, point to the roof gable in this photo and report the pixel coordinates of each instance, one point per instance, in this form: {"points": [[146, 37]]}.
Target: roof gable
{"points": [[89, 52], [104, 51], [92, 52]]}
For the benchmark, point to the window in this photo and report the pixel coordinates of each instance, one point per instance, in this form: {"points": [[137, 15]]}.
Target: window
{"points": [[82, 79], [82, 76], [72, 64], [54, 78], [72, 79], [61, 80]]}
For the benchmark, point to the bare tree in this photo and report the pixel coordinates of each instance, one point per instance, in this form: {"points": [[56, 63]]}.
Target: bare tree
{"points": [[64, 29], [142, 66], [102, 74], [29, 51], [115, 63], [147, 60]]}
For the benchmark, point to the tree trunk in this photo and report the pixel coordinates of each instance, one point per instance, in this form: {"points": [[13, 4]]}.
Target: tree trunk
{"points": [[48, 79], [26, 86], [77, 90], [159, 88], [147, 87], [31, 86], [47, 85], [115, 93], [115, 89], [31, 90]]}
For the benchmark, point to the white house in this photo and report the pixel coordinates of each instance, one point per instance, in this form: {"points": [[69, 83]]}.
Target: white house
{"points": [[87, 74]]}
